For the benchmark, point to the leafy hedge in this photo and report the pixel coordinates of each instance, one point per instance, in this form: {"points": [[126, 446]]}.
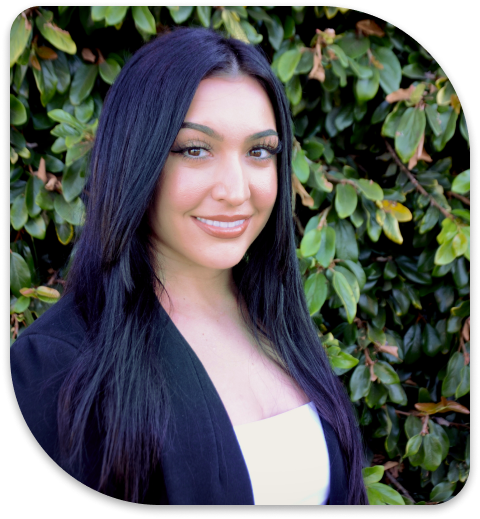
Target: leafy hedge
{"points": [[381, 170]]}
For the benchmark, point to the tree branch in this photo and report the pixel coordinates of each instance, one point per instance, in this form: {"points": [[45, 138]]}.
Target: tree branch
{"points": [[464, 199], [415, 182], [399, 486]]}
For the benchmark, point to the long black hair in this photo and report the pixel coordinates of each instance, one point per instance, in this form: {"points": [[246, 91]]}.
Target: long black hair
{"points": [[114, 280]]}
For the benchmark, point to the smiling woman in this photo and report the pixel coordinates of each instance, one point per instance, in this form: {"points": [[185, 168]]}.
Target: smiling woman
{"points": [[181, 366]]}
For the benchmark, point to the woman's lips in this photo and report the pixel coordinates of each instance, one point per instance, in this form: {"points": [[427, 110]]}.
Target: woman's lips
{"points": [[223, 232]]}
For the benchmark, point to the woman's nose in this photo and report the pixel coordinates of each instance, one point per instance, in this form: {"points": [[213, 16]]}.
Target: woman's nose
{"points": [[232, 183]]}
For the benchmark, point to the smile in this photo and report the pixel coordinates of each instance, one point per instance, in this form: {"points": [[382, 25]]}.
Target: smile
{"points": [[225, 227]]}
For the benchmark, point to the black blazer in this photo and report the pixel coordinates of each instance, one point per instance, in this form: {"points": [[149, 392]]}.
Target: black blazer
{"points": [[202, 462]]}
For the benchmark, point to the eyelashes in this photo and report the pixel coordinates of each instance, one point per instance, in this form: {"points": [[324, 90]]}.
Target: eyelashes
{"points": [[198, 149]]}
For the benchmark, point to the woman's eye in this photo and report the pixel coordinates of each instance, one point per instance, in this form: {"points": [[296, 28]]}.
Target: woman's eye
{"points": [[260, 153], [195, 152]]}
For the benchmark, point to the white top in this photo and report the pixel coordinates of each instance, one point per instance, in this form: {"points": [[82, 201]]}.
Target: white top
{"points": [[287, 458]]}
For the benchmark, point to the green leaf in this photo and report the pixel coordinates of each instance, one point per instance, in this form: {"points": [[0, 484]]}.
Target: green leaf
{"points": [[460, 273], [62, 72], [77, 152], [34, 184], [84, 111], [144, 19], [64, 232], [430, 219], [377, 396], [391, 74], [392, 120], [353, 46], [46, 81], [82, 83], [433, 452], [44, 199], [300, 166], [391, 229], [372, 474], [204, 13], [345, 293], [18, 114], [18, 213], [109, 70], [359, 382], [445, 253], [369, 189], [114, 14], [413, 343], [61, 116], [21, 304], [397, 394], [251, 33], [293, 89], [378, 337], [351, 280], [316, 292], [73, 180], [356, 269], [413, 445], [72, 212], [98, 13], [413, 426], [442, 492], [341, 360], [464, 385], [380, 494], [19, 36], [366, 89], [180, 13], [453, 376], [463, 128], [461, 183], [346, 246], [434, 119], [409, 132], [385, 372], [57, 37], [19, 274], [311, 243], [345, 200], [36, 227], [431, 341], [326, 251], [288, 63]]}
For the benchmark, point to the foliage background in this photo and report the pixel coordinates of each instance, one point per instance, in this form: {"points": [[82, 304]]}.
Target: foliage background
{"points": [[382, 183]]}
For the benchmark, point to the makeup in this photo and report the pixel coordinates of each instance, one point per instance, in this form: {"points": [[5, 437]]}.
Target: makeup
{"points": [[222, 226]]}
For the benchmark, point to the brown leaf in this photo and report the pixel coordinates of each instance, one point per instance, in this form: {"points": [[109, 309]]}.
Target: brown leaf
{"points": [[444, 406], [53, 183], [34, 62], [401, 94], [88, 55], [390, 464], [42, 171], [307, 200], [393, 350], [420, 154], [428, 408], [466, 330], [46, 53], [370, 28], [317, 72]]}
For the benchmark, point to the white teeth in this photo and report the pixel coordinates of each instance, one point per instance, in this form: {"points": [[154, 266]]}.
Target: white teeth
{"points": [[224, 225]]}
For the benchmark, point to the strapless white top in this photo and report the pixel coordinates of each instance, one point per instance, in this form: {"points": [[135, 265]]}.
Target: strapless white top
{"points": [[287, 458]]}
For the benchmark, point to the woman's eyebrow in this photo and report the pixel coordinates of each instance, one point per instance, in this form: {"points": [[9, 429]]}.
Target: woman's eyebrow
{"points": [[212, 133]]}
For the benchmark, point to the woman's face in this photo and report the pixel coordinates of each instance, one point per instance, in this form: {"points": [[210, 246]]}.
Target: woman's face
{"points": [[219, 184]]}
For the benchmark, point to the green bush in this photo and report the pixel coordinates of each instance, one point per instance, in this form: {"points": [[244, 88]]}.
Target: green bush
{"points": [[381, 170]]}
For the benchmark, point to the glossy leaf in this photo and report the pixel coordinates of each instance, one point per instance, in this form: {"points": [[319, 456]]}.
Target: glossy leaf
{"points": [[326, 251], [19, 36], [82, 83], [409, 132], [58, 37], [345, 293], [19, 274], [316, 291], [144, 19]]}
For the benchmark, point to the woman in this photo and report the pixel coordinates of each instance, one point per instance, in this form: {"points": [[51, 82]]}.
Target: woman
{"points": [[183, 348]]}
